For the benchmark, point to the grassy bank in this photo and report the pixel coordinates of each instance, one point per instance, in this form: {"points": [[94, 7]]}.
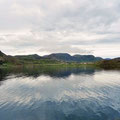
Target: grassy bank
{"points": [[105, 64], [11, 65]]}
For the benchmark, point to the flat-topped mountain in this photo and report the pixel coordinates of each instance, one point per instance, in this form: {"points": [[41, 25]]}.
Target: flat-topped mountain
{"points": [[75, 58], [61, 57]]}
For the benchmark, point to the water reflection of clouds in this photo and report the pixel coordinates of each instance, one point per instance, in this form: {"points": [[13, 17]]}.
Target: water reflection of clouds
{"points": [[44, 88], [78, 93]]}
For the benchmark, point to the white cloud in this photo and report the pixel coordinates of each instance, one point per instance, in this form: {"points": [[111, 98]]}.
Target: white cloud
{"points": [[36, 26]]}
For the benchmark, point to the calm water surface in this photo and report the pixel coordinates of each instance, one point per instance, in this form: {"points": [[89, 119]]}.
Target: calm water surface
{"points": [[59, 94]]}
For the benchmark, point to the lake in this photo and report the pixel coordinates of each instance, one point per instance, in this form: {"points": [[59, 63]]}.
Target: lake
{"points": [[40, 93]]}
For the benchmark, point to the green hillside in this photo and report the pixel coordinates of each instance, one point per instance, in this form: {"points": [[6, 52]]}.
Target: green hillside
{"points": [[110, 64], [7, 59], [58, 59]]}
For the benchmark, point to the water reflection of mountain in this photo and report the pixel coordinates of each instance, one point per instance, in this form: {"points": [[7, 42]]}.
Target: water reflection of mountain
{"points": [[50, 71], [68, 71], [82, 96]]}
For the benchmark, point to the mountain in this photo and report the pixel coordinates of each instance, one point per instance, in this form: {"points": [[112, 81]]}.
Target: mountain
{"points": [[2, 57], [107, 59], [29, 57], [59, 56], [86, 58], [55, 57], [7, 58], [110, 64], [1, 54], [118, 59], [35, 59], [76, 58]]}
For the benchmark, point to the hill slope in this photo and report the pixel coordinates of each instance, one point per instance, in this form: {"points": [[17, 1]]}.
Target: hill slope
{"points": [[110, 64], [7, 59], [48, 59], [35, 59], [29, 57]]}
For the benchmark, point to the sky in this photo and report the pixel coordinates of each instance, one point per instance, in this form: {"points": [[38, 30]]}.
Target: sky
{"points": [[60, 26]]}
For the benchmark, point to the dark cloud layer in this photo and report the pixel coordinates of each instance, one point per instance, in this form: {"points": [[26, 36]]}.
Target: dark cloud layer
{"points": [[74, 26]]}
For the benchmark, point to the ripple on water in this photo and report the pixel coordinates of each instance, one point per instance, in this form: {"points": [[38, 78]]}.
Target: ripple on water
{"points": [[71, 97]]}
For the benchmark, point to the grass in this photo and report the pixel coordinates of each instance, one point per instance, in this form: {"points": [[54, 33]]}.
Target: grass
{"points": [[31, 64], [113, 64]]}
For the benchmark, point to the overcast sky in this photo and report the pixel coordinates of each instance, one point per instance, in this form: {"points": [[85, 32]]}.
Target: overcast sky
{"points": [[52, 26]]}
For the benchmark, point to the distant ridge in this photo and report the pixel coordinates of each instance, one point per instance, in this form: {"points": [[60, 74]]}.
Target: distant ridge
{"points": [[75, 58], [64, 57], [107, 59], [58, 58]]}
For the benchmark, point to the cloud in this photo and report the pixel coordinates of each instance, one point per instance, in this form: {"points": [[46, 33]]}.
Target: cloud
{"points": [[47, 26]]}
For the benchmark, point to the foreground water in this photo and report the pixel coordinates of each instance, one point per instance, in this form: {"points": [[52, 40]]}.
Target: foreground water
{"points": [[59, 94]]}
